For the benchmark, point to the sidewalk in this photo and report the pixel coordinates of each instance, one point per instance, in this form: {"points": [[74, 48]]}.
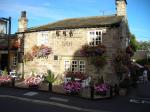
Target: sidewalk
{"points": [[116, 104]]}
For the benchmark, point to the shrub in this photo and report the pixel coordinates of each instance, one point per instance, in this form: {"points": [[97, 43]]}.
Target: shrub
{"points": [[50, 77]]}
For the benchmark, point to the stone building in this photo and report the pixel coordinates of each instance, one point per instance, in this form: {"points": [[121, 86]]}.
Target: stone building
{"points": [[66, 37], [8, 61]]}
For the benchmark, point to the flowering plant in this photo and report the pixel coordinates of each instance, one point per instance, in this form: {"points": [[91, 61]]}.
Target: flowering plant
{"points": [[93, 50], [28, 57], [41, 51], [72, 87], [101, 89], [38, 51], [129, 50], [74, 75], [5, 79], [33, 81]]}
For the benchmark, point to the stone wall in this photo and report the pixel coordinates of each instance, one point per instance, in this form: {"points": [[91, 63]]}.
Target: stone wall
{"points": [[65, 47], [121, 8], [140, 54]]}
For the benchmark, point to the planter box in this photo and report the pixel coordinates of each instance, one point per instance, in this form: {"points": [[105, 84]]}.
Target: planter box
{"points": [[104, 95], [8, 84]]}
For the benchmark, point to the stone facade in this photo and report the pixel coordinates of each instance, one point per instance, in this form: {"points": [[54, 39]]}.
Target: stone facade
{"points": [[22, 22], [65, 47], [121, 7]]}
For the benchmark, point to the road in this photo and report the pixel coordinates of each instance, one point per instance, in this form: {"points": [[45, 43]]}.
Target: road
{"points": [[19, 100]]}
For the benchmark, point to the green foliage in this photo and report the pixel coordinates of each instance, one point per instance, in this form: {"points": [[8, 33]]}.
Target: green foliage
{"points": [[50, 77], [143, 45], [5, 72], [133, 43]]}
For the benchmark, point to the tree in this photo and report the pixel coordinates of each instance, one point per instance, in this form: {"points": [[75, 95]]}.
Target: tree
{"points": [[133, 43], [144, 45]]}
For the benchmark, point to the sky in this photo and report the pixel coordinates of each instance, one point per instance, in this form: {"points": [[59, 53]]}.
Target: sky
{"points": [[41, 12]]}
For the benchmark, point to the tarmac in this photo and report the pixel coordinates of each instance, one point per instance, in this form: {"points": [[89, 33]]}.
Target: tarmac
{"points": [[73, 103]]}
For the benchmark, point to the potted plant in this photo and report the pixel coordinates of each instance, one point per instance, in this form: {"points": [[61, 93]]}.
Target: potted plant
{"points": [[33, 82], [101, 88], [72, 87], [5, 79], [50, 78]]}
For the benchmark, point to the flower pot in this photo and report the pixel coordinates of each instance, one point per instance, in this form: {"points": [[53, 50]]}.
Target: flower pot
{"points": [[33, 87], [50, 87], [5, 84], [101, 93]]}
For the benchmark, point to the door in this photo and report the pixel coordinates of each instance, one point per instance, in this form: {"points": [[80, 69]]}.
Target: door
{"points": [[4, 61]]}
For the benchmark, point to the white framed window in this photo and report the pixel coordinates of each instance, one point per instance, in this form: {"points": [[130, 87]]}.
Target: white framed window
{"points": [[14, 61], [42, 38], [82, 66], [94, 37], [75, 65], [67, 66]]}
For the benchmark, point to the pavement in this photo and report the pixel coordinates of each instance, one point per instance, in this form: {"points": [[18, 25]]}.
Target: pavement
{"points": [[35, 101]]}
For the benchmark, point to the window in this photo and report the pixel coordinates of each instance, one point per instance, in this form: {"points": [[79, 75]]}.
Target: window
{"points": [[67, 65], [64, 33], [55, 57], [14, 62], [57, 33], [42, 38], [70, 33], [82, 66], [95, 37], [75, 66]]}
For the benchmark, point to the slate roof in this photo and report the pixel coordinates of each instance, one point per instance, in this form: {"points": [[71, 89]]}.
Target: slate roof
{"points": [[84, 22]]}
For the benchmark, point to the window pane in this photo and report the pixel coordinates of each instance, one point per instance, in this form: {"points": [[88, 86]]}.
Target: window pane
{"points": [[95, 38], [74, 66], [42, 38], [67, 65]]}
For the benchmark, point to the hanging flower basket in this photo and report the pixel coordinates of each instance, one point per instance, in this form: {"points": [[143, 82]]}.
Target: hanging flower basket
{"points": [[93, 50], [41, 51]]}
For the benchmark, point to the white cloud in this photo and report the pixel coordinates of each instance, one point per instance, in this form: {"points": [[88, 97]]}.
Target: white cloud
{"points": [[33, 11]]}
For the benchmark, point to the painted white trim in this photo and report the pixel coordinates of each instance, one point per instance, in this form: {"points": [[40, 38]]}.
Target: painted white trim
{"points": [[89, 36]]}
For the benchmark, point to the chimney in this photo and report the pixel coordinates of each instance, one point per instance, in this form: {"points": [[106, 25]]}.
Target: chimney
{"points": [[22, 22], [121, 7], [23, 14]]}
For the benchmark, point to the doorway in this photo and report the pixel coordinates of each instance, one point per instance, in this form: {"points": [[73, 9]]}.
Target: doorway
{"points": [[4, 61]]}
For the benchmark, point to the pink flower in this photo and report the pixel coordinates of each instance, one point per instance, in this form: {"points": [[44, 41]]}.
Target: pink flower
{"points": [[31, 81], [72, 87], [5, 79], [101, 88]]}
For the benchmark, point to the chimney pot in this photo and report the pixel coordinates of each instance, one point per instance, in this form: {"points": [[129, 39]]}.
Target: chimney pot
{"points": [[23, 14]]}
